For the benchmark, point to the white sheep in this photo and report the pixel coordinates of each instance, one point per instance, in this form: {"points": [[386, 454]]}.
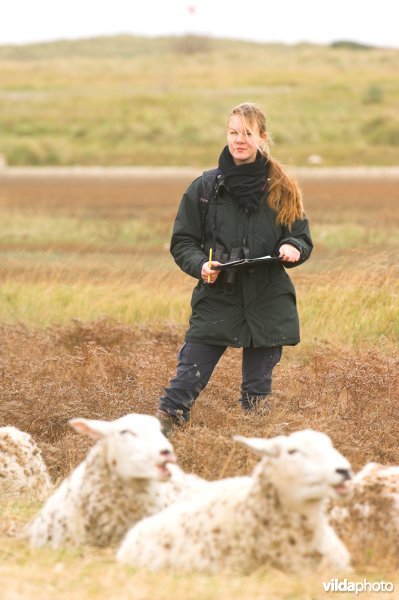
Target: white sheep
{"points": [[118, 483], [276, 517], [22, 469], [372, 518]]}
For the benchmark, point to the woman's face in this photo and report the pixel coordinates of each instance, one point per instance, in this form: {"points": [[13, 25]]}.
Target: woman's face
{"points": [[243, 140]]}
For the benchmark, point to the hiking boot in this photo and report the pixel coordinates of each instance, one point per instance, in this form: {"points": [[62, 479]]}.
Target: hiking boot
{"points": [[255, 405], [168, 422]]}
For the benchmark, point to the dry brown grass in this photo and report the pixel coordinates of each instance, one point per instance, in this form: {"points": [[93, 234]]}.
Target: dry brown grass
{"points": [[105, 369]]}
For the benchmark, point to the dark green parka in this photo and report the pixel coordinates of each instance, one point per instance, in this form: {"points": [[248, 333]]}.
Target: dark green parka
{"points": [[261, 311]]}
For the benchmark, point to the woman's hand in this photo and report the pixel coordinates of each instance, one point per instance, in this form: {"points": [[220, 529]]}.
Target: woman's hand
{"points": [[289, 253], [209, 275]]}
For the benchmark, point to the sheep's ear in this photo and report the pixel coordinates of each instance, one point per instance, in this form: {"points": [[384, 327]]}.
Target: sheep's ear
{"points": [[92, 428], [261, 446]]}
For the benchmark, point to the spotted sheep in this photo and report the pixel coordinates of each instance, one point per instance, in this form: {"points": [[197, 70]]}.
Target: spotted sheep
{"points": [[128, 474], [277, 517], [372, 517], [22, 468]]}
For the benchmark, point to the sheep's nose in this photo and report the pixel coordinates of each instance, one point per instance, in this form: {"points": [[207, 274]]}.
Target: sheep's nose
{"points": [[168, 456], [346, 474]]}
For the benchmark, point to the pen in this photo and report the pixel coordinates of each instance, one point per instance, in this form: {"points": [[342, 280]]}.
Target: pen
{"points": [[210, 263]]}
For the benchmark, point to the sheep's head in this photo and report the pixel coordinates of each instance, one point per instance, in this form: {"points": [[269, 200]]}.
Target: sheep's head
{"points": [[304, 465], [134, 445]]}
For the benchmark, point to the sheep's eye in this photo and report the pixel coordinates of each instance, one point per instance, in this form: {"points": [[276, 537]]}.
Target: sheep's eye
{"points": [[293, 451], [131, 432]]}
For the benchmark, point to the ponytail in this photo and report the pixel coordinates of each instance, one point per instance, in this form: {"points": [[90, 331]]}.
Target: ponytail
{"points": [[284, 197]]}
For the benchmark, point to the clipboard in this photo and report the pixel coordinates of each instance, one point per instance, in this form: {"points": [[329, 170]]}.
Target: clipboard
{"points": [[242, 262]]}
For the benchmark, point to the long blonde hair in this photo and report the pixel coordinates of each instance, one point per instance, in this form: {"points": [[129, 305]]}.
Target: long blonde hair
{"points": [[284, 197]]}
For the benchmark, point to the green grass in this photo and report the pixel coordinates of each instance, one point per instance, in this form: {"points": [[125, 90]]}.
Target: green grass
{"points": [[133, 101], [345, 236], [40, 304], [351, 308], [41, 229]]}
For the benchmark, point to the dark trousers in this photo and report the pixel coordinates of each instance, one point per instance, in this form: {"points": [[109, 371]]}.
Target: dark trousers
{"points": [[196, 363]]}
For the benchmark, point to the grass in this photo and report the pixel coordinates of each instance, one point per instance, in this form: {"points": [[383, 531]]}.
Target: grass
{"points": [[105, 369], [88, 250], [92, 312], [44, 229], [133, 101], [126, 302], [89, 574], [352, 312]]}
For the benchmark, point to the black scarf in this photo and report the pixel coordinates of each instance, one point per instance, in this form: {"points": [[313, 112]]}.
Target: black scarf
{"points": [[246, 183]]}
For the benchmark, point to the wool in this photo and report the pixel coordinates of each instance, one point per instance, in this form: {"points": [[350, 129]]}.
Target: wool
{"points": [[276, 518], [22, 470], [127, 475]]}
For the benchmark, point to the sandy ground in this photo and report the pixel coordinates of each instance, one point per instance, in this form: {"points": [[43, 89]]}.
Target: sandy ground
{"points": [[118, 189]]}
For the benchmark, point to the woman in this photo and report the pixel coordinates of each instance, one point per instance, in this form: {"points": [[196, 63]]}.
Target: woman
{"points": [[256, 211]]}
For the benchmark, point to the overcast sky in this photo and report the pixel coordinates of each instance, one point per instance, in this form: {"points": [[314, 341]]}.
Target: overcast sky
{"points": [[320, 21]]}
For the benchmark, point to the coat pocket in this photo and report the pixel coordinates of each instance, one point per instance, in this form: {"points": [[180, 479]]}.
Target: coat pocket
{"points": [[200, 292]]}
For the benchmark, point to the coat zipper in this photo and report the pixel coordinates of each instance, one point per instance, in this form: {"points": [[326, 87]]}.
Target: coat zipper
{"points": [[246, 228]]}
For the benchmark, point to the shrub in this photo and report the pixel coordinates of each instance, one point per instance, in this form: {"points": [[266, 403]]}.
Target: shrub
{"points": [[374, 94]]}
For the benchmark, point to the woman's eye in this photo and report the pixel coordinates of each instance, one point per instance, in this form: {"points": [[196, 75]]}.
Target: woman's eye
{"points": [[293, 451]]}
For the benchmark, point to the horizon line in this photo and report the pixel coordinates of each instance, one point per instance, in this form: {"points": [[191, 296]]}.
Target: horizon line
{"points": [[336, 41]]}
